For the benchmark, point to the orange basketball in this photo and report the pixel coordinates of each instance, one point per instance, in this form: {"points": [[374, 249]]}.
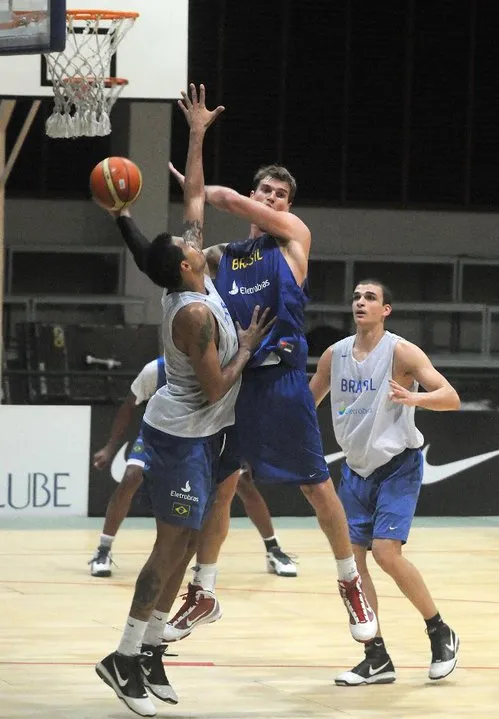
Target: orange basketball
{"points": [[115, 183]]}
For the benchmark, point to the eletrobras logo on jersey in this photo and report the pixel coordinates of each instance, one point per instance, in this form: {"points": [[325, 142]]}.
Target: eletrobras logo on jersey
{"points": [[240, 289], [51, 478]]}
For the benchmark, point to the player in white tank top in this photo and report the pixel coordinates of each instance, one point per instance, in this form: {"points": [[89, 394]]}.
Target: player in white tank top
{"points": [[373, 379], [200, 342]]}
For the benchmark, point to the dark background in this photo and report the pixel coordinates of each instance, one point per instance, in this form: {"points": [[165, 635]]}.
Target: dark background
{"points": [[452, 435], [392, 103]]}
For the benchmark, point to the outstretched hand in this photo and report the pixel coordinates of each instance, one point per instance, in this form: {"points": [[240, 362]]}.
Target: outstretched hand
{"points": [[195, 111], [251, 337]]}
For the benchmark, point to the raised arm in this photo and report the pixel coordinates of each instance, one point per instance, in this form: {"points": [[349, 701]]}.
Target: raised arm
{"points": [[411, 363], [320, 384], [286, 226], [199, 119]]}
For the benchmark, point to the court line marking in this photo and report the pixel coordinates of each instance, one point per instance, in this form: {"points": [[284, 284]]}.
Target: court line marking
{"points": [[216, 665]]}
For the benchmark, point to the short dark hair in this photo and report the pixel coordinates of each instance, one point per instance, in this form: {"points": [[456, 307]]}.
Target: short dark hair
{"points": [[276, 172], [163, 262], [386, 291]]}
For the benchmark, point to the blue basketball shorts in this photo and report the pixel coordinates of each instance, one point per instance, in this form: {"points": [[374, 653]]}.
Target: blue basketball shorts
{"points": [[276, 429], [382, 505], [137, 456], [180, 475]]}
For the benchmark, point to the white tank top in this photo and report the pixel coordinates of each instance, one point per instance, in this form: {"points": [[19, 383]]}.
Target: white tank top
{"points": [[369, 428], [180, 407]]}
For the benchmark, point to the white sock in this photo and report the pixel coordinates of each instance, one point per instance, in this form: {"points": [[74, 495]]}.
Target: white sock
{"points": [[106, 540], [155, 628], [133, 637], [347, 569], [205, 575]]}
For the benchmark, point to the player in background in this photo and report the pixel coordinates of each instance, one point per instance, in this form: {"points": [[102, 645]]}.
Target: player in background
{"points": [[373, 378]]}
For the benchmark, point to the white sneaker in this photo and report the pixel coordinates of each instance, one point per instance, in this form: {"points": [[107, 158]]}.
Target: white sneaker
{"points": [[100, 564], [280, 563]]}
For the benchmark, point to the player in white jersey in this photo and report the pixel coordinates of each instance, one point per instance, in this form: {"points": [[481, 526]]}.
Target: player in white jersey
{"points": [[373, 378], [183, 426], [150, 378]]}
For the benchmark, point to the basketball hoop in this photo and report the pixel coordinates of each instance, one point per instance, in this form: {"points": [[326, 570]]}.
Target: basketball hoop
{"points": [[83, 88]]}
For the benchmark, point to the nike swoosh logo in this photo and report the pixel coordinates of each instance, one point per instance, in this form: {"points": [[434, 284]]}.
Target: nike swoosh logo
{"points": [[372, 671], [451, 647], [433, 473], [146, 670], [118, 466], [437, 473], [122, 682], [188, 622]]}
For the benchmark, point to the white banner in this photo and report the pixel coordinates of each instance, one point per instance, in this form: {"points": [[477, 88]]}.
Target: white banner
{"points": [[44, 456]]}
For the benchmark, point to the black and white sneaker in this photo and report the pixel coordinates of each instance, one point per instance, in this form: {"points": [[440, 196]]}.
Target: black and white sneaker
{"points": [[124, 675], [444, 648], [100, 564], [153, 672], [280, 563], [376, 668]]}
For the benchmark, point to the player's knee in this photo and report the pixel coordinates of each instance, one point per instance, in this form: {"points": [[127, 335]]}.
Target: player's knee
{"points": [[131, 480], [386, 555], [226, 490], [245, 486], [172, 541], [319, 495]]}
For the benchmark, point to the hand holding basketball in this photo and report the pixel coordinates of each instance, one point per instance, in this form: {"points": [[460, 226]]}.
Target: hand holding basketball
{"points": [[115, 183]]}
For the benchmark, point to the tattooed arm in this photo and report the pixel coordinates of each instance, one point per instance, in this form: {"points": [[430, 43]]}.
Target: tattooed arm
{"points": [[195, 332], [199, 118]]}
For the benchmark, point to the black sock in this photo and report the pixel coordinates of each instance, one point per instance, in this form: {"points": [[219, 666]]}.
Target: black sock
{"points": [[434, 623], [376, 645], [271, 543]]}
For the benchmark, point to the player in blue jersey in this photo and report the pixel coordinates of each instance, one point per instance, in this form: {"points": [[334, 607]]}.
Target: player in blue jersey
{"points": [[276, 429]]}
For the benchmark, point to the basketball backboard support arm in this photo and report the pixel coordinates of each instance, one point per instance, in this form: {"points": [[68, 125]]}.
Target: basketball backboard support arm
{"points": [[6, 165]]}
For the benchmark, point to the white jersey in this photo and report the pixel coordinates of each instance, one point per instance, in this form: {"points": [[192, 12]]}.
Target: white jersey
{"points": [[181, 408], [369, 427], [146, 382]]}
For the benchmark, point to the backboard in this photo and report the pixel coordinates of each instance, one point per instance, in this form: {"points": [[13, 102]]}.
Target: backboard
{"points": [[32, 26], [152, 56]]}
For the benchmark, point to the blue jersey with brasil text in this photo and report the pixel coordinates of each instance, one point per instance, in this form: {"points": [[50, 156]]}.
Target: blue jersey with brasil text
{"points": [[254, 272]]}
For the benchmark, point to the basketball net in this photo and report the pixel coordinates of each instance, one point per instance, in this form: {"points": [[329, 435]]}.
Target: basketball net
{"points": [[83, 89]]}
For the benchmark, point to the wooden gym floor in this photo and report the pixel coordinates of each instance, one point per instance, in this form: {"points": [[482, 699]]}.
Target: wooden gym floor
{"points": [[279, 645]]}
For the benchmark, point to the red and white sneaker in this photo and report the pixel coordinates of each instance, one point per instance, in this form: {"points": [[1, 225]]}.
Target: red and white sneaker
{"points": [[200, 607], [363, 622]]}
